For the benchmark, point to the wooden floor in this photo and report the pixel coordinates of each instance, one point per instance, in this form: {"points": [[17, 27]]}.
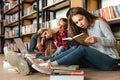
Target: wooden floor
{"points": [[90, 74]]}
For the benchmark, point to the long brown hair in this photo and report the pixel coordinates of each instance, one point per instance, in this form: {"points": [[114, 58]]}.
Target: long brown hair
{"points": [[48, 43], [72, 28]]}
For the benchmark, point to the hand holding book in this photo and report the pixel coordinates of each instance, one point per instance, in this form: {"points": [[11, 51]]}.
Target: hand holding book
{"points": [[80, 38]]}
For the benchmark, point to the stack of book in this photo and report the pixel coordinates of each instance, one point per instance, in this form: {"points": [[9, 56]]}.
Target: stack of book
{"points": [[64, 72]]}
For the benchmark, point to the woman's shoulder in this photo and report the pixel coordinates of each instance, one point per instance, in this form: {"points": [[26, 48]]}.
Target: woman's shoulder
{"points": [[100, 20], [61, 31]]}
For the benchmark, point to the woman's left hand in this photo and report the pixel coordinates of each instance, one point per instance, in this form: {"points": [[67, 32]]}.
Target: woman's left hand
{"points": [[91, 40]]}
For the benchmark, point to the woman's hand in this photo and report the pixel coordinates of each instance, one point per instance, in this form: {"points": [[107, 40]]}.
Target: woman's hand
{"points": [[43, 40], [91, 40]]}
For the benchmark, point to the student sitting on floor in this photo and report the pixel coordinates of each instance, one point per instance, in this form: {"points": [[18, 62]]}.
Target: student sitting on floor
{"points": [[49, 42]]}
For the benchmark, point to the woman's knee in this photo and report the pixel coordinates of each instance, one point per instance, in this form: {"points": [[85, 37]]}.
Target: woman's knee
{"points": [[34, 36], [81, 47]]}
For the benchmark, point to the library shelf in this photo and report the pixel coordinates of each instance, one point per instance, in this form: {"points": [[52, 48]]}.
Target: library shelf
{"points": [[32, 15], [12, 24], [29, 34], [30, 1], [12, 10], [114, 20], [1, 36], [58, 5]]}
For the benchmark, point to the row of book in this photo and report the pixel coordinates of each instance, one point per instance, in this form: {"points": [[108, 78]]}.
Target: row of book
{"points": [[10, 4], [10, 18], [11, 33], [30, 9], [51, 24], [11, 45], [50, 2], [108, 13], [29, 29], [67, 72]]}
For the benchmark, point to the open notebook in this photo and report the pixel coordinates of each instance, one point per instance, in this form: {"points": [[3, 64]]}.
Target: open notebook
{"points": [[22, 47]]}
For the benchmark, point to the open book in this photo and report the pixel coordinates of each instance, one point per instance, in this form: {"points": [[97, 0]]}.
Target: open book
{"points": [[80, 38]]}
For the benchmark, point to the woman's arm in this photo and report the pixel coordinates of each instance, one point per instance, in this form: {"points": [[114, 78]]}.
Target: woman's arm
{"points": [[108, 38]]}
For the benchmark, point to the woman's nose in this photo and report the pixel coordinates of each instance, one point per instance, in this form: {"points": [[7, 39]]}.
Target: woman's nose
{"points": [[80, 24]]}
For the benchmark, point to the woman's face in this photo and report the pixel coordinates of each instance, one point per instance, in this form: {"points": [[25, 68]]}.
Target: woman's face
{"points": [[62, 24], [80, 21], [46, 34]]}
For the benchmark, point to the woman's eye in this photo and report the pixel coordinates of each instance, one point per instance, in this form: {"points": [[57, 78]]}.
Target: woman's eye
{"points": [[76, 22], [45, 33]]}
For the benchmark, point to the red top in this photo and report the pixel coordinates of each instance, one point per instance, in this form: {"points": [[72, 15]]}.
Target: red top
{"points": [[59, 42]]}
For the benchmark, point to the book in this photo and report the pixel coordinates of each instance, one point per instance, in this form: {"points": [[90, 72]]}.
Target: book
{"points": [[65, 71], [66, 67], [80, 38], [68, 76]]}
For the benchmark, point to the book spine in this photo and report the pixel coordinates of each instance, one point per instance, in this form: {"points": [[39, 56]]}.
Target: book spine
{"points": [[71, 74]]}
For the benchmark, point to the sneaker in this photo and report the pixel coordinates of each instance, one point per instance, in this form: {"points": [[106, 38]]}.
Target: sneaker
{"points": [[17, 61], [42, 69], [8, 67], [34, 61]]}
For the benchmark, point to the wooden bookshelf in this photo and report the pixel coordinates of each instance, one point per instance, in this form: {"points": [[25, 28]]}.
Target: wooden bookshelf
{"points": [[77, 3], [12, 24], [114, 20], [9, 38], [1, 36], [57, 6], [28, 34], [30, 1], [32, 15], [92, 5], [29, 17], [13, 10]]}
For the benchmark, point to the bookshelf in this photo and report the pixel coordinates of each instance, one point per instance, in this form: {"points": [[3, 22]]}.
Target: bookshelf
{"points": [[1, 28], [11, 21], [30, 19]]}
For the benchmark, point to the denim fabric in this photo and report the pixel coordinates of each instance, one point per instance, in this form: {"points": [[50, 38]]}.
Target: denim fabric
{"points": [[33, 43], [59, 51], [64, 53], [93, 58]]}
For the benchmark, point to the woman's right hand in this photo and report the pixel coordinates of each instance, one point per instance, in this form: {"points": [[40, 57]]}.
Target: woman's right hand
{"points": [[43, 40]]}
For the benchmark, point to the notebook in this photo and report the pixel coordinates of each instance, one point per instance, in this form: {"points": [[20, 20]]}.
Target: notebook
{"points": [[22, 47]]}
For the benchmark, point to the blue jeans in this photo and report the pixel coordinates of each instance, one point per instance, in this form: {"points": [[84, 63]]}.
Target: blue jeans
{"points": [[33, 43], [93, 58], [59, 51]]}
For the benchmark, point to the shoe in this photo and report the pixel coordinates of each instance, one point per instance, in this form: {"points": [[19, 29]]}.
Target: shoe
{"points": [[17, 61], [32, 55], [34, 61], [42, 69], [8, 67]]}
